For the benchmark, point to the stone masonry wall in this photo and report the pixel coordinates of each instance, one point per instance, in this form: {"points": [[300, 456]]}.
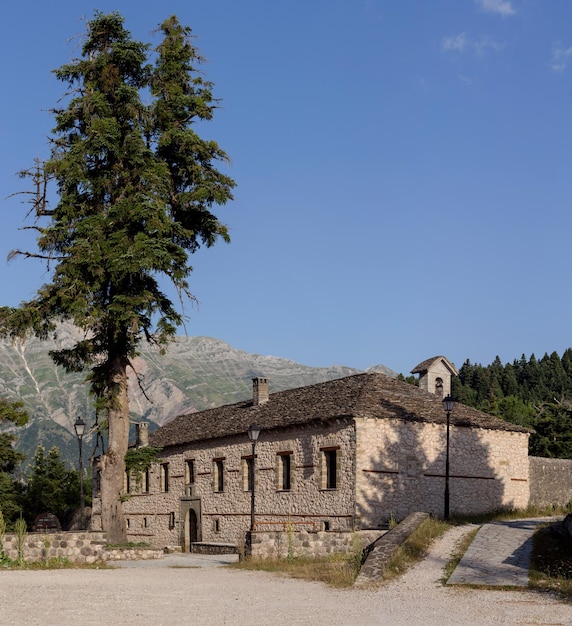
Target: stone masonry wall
{"points": [[550, 481], [401, 469], [277, 544], [164, 519], [76, 547]]}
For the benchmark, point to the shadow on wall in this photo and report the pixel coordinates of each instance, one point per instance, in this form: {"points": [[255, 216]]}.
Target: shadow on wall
{"points": [[401, 469]]}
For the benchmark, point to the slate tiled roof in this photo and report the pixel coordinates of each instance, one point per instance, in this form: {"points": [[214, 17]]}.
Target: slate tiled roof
{"points": [[425, 365], [359, 396]]}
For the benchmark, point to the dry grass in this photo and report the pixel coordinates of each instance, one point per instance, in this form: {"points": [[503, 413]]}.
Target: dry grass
{"points": [[510, 514], [341, 570], [338, 570], [460, 550], [52, 563], [415, 548]]}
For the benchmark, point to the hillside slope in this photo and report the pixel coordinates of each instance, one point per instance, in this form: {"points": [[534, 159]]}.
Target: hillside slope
{"points": [[195, 373]]}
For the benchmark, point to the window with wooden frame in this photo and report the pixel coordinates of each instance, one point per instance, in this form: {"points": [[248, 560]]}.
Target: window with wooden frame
{"points": [[164, 477], [247, 473], [218, 475], [190, 472], [330, 463], [284, 471]]}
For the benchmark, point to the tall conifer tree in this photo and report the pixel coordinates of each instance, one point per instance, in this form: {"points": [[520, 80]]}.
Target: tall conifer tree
{"points": [[135, 188]]}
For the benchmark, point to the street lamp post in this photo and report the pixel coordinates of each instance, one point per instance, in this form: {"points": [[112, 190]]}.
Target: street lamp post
{"points": [[253, 432], [448, 405], [79, 427]]}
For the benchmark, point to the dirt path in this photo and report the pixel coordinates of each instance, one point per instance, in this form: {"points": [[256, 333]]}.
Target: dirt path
{"points": [[167, 595]]}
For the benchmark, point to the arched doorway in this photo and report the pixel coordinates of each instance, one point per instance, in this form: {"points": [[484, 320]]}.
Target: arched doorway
{"points": [[190, 532], [193, 527]]}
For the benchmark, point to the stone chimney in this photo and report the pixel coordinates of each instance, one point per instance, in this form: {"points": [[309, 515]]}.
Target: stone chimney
{"points": [[259, 390], [142, 434]]}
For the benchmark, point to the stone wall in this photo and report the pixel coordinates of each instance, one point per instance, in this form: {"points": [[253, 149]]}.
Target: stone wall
{"points": [[277, 544], [401, 469], [76, 547], [165, 519], [550, 481]]}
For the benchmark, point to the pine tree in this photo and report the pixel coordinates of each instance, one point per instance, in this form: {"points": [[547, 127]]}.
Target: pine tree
{"points": [[51, 487], [135, 190], [10, 459]]}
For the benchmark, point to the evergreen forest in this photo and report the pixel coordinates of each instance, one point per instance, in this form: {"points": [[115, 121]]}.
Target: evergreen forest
{"points": [[536, 393]]}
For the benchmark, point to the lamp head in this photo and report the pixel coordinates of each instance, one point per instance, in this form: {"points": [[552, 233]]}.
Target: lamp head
{"points": [[79, 427], [448, 404], [253, 432]]}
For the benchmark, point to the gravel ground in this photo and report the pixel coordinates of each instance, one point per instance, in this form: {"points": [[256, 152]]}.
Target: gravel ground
{"points": [[212, 595]]}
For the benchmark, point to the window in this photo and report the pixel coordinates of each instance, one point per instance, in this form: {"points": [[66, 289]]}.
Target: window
{"points": [[172, 520], [164, 477], [144, 522], [216, 525], [284, 471], [146, 481], [190, 472], [97, 482], [218, 475], [247, 473], [127, 482], [330, 458]]}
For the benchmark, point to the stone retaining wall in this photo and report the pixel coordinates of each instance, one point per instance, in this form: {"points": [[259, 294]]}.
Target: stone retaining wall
{"points": [[76, 547], [279, 544], [550, 481], [379, 553]]}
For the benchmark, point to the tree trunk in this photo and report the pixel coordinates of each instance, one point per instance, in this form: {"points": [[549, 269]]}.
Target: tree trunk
{"points": [[113, 461]]}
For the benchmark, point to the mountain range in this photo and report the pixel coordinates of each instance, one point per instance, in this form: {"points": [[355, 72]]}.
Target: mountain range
{"points": [[195, 373]]}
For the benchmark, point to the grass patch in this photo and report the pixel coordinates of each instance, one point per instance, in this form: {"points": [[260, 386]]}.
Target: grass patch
{"points": [[341, 570], [336, 570], [551, 567], [414, 548], [49, 564], [510, 514], [460, 550]]}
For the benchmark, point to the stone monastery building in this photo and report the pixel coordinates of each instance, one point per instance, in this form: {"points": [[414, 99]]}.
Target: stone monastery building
{"points": [[341, 455]]}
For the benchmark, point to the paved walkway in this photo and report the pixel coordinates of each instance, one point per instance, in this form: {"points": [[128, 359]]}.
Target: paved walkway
{"points": [[498, 556]]}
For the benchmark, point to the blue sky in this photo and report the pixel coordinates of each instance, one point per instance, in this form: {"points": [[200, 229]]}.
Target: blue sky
{"points": [[402, 169]]}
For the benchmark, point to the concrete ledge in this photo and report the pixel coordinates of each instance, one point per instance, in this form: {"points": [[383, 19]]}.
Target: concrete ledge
{"points": [[378, 554], [204, 547]]}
